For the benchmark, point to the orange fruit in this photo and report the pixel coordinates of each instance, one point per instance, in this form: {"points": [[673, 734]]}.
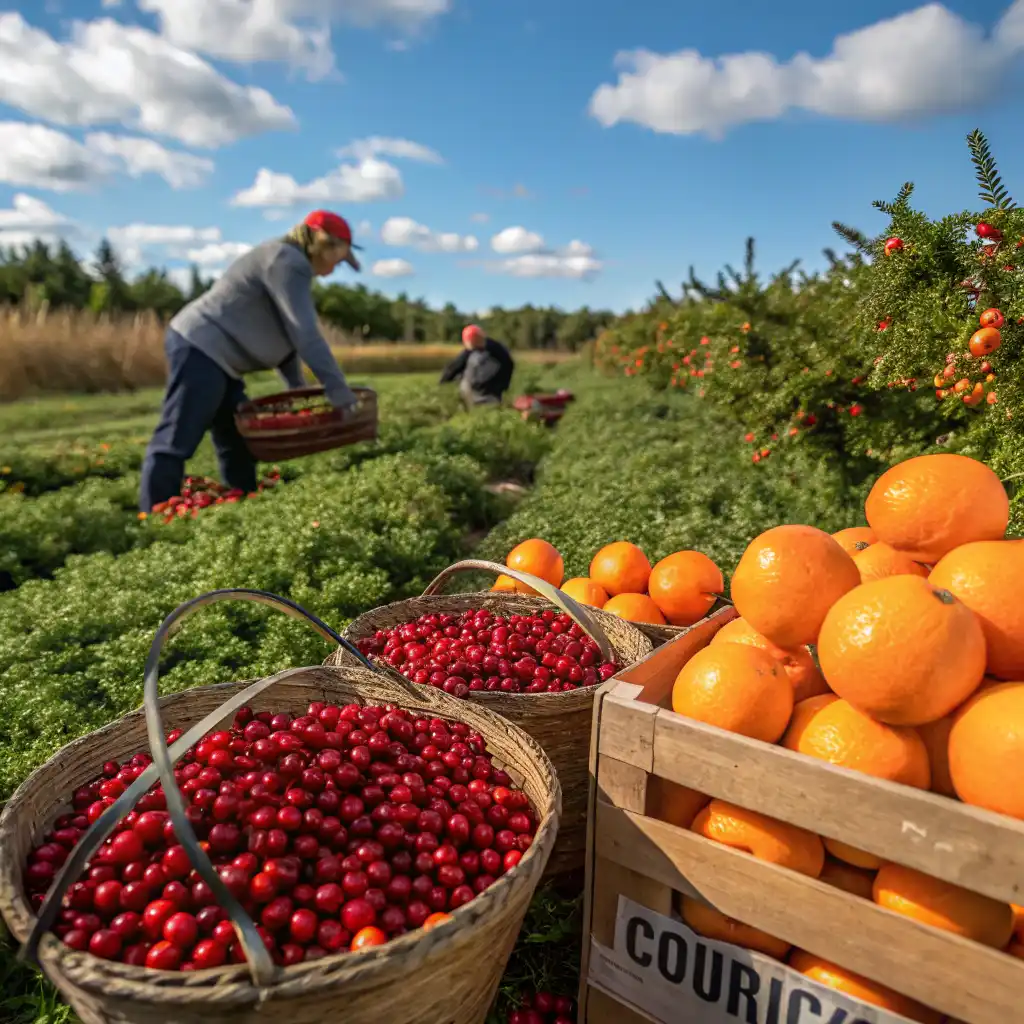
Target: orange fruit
{"points": [[849, 538], [859, 987], [367, 937], [635, 608], [798, 664], [986, 750], [944, 905], [787, 580], [684, 586], [852, 855], [901, 650], [586, 591], [538, 558], [986, 576], [1018, 922], [737, 688], [928, 505], [844, 876], [713, 924], [764, 838], [504, 585], [835, 731], [434, 920], [621, 568], [936, 739], [668, 801], [876, 561]]}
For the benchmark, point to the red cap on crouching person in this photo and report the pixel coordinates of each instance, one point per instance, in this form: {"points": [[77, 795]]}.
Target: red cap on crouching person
{"points": [[473, 335], [336, 227]]}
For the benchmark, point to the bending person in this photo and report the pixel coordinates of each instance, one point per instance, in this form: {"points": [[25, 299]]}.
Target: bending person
{"points": [[259, 315], [484, 369]]}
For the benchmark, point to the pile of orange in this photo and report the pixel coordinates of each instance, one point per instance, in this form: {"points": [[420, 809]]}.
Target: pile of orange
{"points": [[895, 649], [679, 590]]}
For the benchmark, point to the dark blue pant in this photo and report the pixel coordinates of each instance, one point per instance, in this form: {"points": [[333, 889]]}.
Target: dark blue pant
{"points": [[200, 397]]}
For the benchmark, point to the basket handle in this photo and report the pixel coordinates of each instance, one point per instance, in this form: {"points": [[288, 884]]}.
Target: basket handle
{"points": [[258, 958], [576, 611]]}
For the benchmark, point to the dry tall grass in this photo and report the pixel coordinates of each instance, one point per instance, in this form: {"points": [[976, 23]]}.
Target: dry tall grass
{"points": [[70, 351]]}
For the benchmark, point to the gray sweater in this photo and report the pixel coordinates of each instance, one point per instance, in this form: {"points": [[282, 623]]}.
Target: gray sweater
{"points": [[260, 315]]}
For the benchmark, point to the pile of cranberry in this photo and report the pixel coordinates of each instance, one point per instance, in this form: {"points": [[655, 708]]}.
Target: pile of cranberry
{"points": [[336, 830], [544, 1008], [201, 492], [478, 650]]}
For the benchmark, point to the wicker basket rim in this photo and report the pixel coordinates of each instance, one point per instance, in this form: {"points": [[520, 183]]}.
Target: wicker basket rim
{"points": [[364, 394], [233, 984], [542, 702]]}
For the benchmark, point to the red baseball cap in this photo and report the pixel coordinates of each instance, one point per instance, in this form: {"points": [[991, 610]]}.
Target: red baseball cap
{"points": [[336, 227]]}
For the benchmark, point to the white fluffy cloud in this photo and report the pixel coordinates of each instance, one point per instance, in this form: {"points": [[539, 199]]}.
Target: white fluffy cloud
{"points": [[144, 156], [543, 264], [162, 235], [517, 240], [392, 268], [529, 257], [217, 254], [110, 73], [140, 244], [42, 157], [404, 231], [365, 182], [28, 219], [294, 31], [926, 61], [244, 31], [398, 149]]}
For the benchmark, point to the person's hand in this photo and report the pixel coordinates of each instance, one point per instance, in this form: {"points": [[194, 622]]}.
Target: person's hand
{"points": [[346, 402]]}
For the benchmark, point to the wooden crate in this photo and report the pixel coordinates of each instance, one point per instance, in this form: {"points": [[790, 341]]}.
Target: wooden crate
{"points": [[635, 856]]}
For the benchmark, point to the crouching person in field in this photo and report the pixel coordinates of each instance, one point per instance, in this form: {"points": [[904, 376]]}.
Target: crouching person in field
{"points": [[483, 368], [259, 315]]}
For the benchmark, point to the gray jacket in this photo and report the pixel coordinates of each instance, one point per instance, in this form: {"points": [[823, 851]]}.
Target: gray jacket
{"points": [[260, 315]]}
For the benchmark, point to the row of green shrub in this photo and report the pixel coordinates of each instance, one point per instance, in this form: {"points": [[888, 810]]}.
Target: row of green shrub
{"points": [[352, 532]]}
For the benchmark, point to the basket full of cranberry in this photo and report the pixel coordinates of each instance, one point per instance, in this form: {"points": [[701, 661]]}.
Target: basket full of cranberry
{"points": [[364, 837]]}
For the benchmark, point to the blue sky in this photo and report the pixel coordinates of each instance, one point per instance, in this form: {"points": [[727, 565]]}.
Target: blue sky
{"points": [[588, 148]]}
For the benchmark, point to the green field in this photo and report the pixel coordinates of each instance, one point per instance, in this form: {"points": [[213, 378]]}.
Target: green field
{"points": [[88, 582]]}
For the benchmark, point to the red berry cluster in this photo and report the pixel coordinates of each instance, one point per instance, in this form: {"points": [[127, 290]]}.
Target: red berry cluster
{"points": [[201, 492], [308, 416], [336, 830], [478, 650], [544, 1008]]}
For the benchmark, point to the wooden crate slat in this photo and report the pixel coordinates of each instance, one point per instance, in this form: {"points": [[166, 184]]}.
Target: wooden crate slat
{"points": [[627, 731], [987, 986], [953, 841]]}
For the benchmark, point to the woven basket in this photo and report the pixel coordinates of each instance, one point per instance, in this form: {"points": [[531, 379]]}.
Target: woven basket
{"points": [[446, 976], [560, 722], [273, 428]]}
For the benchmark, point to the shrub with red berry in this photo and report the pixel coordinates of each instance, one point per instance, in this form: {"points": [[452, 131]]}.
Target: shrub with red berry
{"points": [[953, 303], [479, 650], [337, 830]]}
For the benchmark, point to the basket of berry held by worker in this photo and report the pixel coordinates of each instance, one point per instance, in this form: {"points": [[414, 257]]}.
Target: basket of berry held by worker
{"points": [[535, 658], [290, 424], [322, 803]]}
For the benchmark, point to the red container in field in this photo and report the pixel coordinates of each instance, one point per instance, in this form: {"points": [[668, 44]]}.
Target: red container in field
{"points": [[548, 408], [290, 424]]}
